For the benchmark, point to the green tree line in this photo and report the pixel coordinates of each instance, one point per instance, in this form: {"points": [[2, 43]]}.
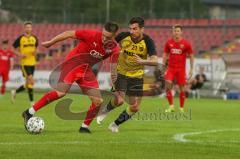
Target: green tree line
{"points": [[95, 11]]}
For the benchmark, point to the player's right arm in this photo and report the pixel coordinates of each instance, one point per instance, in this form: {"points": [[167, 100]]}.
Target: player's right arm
{"points": [[16, 46], [63, 36], [165, 55], [17, 52], [165, 58], [76, 34]]}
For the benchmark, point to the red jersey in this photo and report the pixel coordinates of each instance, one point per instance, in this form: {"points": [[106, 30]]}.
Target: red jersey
{"points": [[5, 57], [91, 49], [178, 52]]}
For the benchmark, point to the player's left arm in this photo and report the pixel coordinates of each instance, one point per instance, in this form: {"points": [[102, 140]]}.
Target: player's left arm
{"points": [[11, 63], [113, 64], [11, 58], [191, 56], [36, 45], [152, 59], [113, 69]]}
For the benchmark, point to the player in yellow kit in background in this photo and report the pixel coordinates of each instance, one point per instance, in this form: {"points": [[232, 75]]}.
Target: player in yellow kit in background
{"points": [[26, 47]]}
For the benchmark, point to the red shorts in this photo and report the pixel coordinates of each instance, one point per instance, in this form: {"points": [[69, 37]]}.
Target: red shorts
{"points": [[82, 75], [4, 74], [178, 74]]}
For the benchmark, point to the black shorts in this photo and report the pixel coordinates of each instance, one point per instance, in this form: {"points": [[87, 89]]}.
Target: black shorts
{"points": [[131, 86], [27, 70]]}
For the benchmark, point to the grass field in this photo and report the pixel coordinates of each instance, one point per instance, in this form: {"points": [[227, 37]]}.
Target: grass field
{"points": [[213, 132]]}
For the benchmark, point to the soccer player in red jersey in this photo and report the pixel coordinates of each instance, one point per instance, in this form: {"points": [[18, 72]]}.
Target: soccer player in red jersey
{"points": [[6, 63], [176, 50], [94, 47]]}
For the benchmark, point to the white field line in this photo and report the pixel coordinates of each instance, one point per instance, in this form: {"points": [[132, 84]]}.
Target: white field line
{"points": [[181, 137], [178, 138]]}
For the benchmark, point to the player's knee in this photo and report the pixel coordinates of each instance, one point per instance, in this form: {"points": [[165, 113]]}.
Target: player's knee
{"points": [[118, 100], [29, 81], [168, 85], [182, 88], [61, 94], [97, 101], [134, 108]]}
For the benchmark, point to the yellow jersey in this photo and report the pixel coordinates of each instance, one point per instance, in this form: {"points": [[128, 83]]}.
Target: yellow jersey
{"points": [[143, 48], [27, 46]]}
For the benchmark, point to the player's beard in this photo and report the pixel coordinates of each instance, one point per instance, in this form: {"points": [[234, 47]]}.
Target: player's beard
{"points": [[136, 38]]}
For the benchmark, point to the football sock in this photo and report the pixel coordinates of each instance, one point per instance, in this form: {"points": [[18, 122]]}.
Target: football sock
{"points": [[91, 114], [182, 99], [169, 96], [3, 89], [20, 89], [46, 99], [30, 94], [124, 116], [110, 105]]}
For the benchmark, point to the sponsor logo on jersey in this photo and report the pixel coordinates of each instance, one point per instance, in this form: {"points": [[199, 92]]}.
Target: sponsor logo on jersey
{"points": [[96, 54], [176, 51]]}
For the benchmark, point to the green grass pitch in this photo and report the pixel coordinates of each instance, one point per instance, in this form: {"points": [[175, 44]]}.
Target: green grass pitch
{"points": [[212, 132]]}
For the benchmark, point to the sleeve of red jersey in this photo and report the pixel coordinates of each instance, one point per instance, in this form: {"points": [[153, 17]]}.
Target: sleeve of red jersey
{"points": [[190, 50], [82, 34], [115, 55], [166, 48]]}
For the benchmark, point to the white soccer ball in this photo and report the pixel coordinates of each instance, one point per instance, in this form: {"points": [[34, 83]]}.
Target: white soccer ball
{"points": [[35, 125]]}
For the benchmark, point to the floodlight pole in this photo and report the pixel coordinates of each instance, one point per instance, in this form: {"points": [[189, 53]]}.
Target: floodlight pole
{"points": [[107, 10]]}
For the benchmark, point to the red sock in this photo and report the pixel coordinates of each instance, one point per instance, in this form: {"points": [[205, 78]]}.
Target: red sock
{"points": [[46, 99], [3, 89], [91, 114], [182, 99], [169, 96]]}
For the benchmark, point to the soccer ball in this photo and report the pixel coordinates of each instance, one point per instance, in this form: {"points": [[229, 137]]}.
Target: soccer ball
{"points": [[35, 125]]}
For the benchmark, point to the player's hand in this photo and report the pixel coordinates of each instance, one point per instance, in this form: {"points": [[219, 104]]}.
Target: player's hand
{"points": [[190, 74], [22, 56], [47, 44], [138, 59], [114, 77]]}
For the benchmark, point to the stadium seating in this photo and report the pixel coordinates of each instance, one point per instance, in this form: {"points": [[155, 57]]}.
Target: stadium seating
{"points": [[204, 34], [231, 47]]}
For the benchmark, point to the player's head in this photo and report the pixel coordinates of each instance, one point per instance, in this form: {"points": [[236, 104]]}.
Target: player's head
{"points": [[109, 31], [177, 31], [28, 27], [136, 27], [4, 44]]}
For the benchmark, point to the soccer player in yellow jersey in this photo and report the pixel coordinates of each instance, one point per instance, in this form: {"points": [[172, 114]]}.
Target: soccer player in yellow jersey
{"points": [[26, 47], [137, 50]]}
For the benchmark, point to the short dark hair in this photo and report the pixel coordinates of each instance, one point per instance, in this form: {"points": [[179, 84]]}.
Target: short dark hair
{"points": [[138, 20], [111, 27], [5, 42], [27, 22], [177, 26]]}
